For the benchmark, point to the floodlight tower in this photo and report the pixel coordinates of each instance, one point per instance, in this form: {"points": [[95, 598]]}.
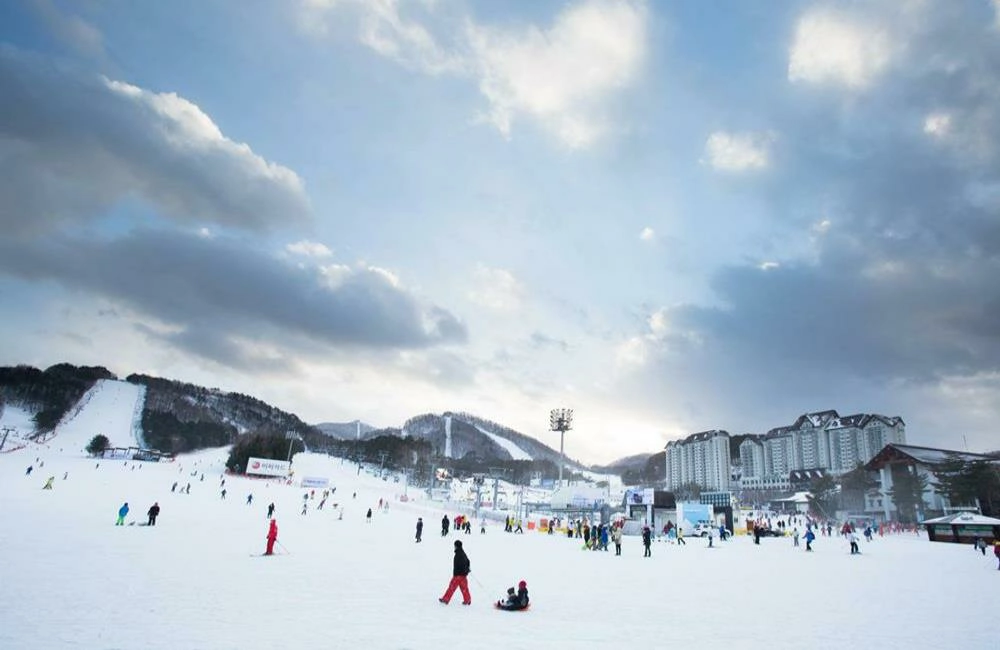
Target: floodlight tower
{"points": [[561, 420]]}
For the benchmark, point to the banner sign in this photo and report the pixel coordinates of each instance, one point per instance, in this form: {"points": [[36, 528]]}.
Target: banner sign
{"points": [[268, 467], [315, 482]]}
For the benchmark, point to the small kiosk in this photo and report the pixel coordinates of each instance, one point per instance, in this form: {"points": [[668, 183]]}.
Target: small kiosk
{"points": [[962, 528]]}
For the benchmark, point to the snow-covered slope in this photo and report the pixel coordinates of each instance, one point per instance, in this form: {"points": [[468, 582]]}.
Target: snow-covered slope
{"points": [[515, 452], [195, 581], [110, 407]]}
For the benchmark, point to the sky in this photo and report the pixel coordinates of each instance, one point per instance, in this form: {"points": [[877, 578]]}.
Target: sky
{"points": [[668, 216]]}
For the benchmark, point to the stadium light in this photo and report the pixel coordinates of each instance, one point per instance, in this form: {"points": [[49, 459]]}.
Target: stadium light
{"points": [[561, 420]]}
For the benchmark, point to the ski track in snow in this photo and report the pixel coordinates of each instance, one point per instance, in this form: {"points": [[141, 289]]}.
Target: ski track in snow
{"points": [[516, 453], [74, 580], [108, 408]]}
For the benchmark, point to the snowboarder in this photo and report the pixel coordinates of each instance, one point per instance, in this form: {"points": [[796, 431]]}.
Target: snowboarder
{"points": [[121, 514], [616, 535], [515, 601], [48, 483], [368, 517], [444, 525], [153, 513], [461, 568], [647, 539], [420, 528], [272, 537], [270, 510]]}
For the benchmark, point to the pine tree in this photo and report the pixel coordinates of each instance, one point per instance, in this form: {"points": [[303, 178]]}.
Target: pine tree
{"points": [[907, 492], [98, 444]]}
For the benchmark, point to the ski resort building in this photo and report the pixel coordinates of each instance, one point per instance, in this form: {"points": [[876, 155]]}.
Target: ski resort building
{"points": [[701, 458], [823, 440]]}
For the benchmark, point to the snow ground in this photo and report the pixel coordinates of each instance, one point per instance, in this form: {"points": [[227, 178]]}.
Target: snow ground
{"points": [[74, 580]]}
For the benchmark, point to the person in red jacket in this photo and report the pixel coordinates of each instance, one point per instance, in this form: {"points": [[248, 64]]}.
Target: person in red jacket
{"points": [[459, 576], [272, 537]]}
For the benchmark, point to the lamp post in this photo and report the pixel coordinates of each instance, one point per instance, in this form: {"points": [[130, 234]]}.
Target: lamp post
{"points": [[561, 420], [291, 436]]}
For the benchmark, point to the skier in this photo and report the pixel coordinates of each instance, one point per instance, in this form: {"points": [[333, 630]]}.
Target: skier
{"points": [[604, 537], [517, 528], [853, 536], [272, 537], [304, 508], [173, 488], [270, 510], [810, 536], [461, 569], [250, 498], [153, 513], [223, 493], [996, 551], [795, 536], [680, 536], [121, 514], [482, 527], [515, 601], [48, 483], [27, 472], [444, 526], [616, 535], [647, 539], [368, 517], [420, 528], [187, 489]]}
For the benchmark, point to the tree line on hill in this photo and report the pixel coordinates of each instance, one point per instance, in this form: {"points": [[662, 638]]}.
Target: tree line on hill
{"points": [[49, 393]]}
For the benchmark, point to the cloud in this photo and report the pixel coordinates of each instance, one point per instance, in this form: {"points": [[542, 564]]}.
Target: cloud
{"points": [[70, 29], [937, 124], [496, 289], [308, 248], [219, 299], [737, 152], [72, 145], [830, 47], [647, 234], [561, 77]]}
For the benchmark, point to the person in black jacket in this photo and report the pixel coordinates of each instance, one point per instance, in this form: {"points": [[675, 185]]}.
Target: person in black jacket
{"points": [[153, 513], [516, 601], [459, 577], [420, 527], [647, 537], [444, 525]]}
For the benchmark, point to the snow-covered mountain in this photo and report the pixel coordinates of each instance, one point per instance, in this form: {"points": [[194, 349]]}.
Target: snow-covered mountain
{"points": [[175, 417]]}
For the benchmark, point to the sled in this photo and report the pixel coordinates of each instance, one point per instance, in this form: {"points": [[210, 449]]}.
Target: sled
{"points": [[497, 606]]}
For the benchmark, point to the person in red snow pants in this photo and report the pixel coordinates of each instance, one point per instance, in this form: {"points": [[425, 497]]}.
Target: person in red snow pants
{"points": [[459, 577], [272, 537]]}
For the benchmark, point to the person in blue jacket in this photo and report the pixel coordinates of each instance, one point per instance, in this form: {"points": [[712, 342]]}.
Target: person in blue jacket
{"points": [[810, 536], [121, 514]]}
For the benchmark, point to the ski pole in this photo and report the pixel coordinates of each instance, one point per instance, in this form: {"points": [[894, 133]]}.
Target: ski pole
{"points": [[477, 581], [284, 548]]}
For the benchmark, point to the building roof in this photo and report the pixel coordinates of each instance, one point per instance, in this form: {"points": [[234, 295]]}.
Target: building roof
{"points": [[969, 518], [807, 474], [912, 454]]}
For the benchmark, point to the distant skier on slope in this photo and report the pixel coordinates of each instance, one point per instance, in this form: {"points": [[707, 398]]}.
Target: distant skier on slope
{"points": [[444, 525], [272, 537], [647, 538], [420, 528], [122, 512], [270, 510], [48, 483]]}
